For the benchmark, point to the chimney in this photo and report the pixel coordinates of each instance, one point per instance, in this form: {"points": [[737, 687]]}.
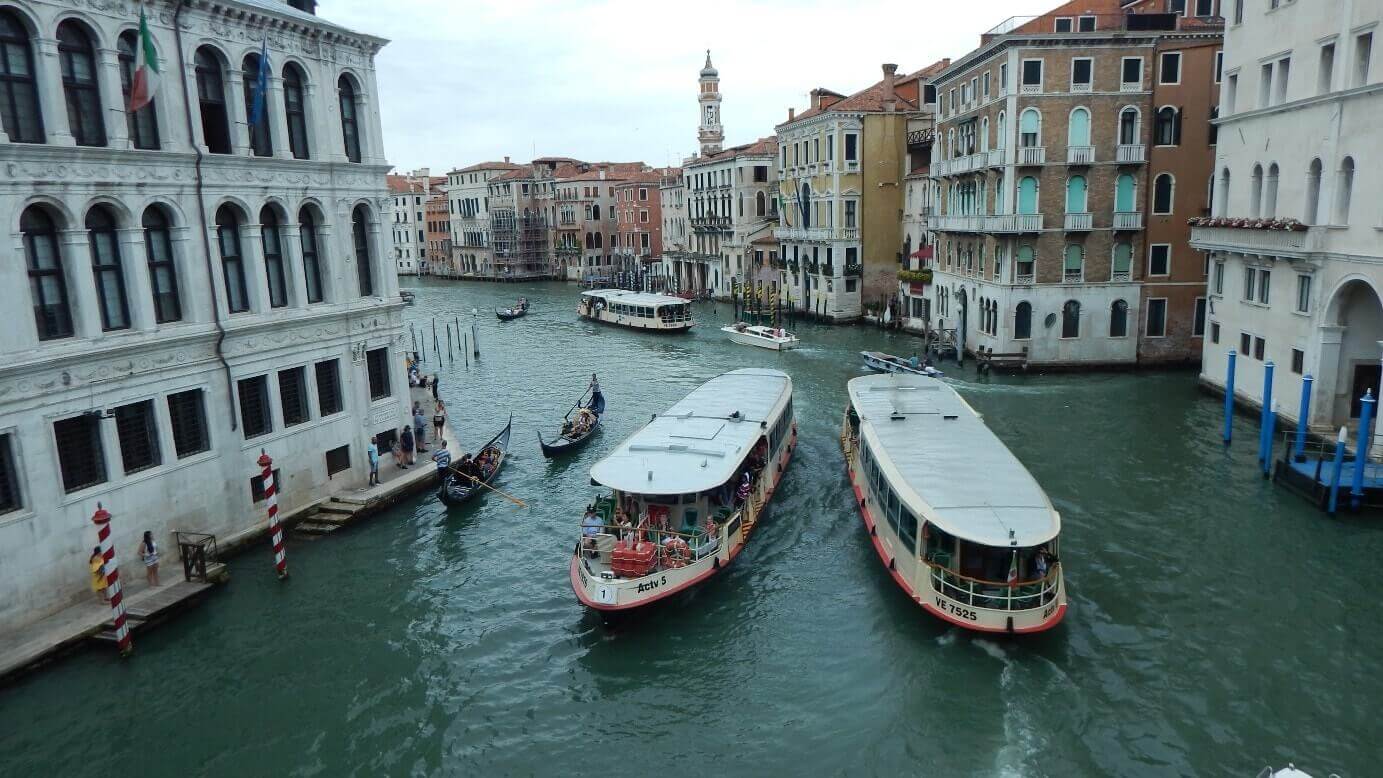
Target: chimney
{"points": [[890, 99], [792, 113], [506, 159]]}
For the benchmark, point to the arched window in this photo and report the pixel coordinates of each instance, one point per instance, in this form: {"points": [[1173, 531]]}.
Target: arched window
{"points": [[107, 269], [1000, 130], [312, 260], [295, 110], [78, 60], [142, 125], [600, 240], [1030, 128], [1022, 321], [364, 265], [590, 241], [19, 109], [1070, 319], [1167, 131], [273, 257], [350, 125], [47, 278], [804, 204], [163, 274], [1122, 263], [1222, 197], [1118, 319], [1078, 129], [1256, 192], [228, 221], [211, 99], [1270, 193], [984, 134], [1125, 194], [1073, 262], [1075, 194], [1313, 193], [1344, 190], [1128, 126], [261, 145], [1027, 195], [1163, 187], [760, 204], [1214, 128]]}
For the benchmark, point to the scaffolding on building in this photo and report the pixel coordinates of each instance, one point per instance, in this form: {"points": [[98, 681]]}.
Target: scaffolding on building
{"points": [[520, 245]]}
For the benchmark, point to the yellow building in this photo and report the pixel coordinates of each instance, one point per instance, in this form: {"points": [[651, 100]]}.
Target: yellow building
{"points": [[840, 166]]}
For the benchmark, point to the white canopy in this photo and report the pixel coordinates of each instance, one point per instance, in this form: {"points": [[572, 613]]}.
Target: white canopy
{"points": [[947, 465], [634, 298], [699, 443]]}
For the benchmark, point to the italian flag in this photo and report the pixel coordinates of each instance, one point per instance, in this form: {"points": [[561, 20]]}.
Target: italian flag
{"points": [[146, 75]]}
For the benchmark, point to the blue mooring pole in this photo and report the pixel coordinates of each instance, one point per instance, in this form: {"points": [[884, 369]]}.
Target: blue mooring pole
{"points": [[1299, 447], [1229, 396], [1335, 476], [1361, 448], [1265, 443], [1268, 441]]}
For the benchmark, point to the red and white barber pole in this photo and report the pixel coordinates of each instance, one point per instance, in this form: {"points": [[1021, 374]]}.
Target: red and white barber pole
{"points": [[101, 518], [275, 529]]}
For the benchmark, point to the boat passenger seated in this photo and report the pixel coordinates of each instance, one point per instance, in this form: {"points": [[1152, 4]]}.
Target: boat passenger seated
{"points": [[591, 525]]}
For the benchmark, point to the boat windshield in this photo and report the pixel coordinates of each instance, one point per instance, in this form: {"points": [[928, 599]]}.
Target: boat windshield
{"points": [[999, 578], [675, 312]]}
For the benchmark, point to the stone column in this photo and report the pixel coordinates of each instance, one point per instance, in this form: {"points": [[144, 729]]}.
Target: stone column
{"points": [[138, 287], [278, 119], [15, 294], [112, 99], [331, 261], [386, 281], [81, 284], [375, 136], [50, 97], [174, 129], [1327, 375], [294, 274], [256, 279], [323, 123], [235, 113], [218, 273], [194, 296]]}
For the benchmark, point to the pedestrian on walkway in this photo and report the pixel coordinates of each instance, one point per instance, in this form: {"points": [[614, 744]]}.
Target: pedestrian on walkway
{"points": [[148, 551], [97, 563], [399, 459], [442, 457], [439, 419], [435, 396], [406, 441], [419, 426], [372, 452]]}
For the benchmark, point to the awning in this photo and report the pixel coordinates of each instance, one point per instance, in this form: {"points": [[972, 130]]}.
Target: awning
{"points": [[923, 253]]}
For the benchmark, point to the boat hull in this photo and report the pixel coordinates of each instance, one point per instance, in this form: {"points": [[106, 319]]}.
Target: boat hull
{"points": [[906, 573], [643, 325], [885, 366], [627, 594], [566, 445], [747, 339]]}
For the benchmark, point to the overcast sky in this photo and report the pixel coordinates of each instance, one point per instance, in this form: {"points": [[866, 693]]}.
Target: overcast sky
{"points": [[464, 81]]}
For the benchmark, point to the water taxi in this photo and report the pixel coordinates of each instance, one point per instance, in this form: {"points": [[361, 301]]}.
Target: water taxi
{"points": [[686, 491], [959, 522], [775, 338], [638, 310]]}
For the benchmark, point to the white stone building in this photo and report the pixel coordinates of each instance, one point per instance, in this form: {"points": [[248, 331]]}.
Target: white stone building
{"points": [[406, 216], [672, 199], [1299, 139], [468, 196], [731, 200], [181, 301]]}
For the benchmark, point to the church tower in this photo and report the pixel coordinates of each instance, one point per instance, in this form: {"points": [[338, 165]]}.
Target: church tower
{"points": [[710, 133]]}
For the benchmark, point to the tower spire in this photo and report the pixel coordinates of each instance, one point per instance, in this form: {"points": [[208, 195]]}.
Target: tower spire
{"points": [[710, 134]]}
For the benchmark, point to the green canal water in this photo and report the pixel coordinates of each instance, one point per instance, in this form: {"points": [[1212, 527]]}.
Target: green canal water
{"points": [[1217, 624]]}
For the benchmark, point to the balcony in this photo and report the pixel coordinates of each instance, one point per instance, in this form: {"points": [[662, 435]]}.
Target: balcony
{"points": [[849, 233], [1131, 154], [1032, 155], [1023, 279], [1286, 243], [1080, 88], [1014, 223], [953, 223], [1080, 155], [942, 168], [1120, 275], [1131, 86], [995, 158], [1072, 276], [1128, 220], [799, 233], [1030, 89], [1078, 222]]}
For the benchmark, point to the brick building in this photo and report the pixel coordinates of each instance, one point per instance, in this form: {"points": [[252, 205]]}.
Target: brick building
{"points": [[638, 242]]}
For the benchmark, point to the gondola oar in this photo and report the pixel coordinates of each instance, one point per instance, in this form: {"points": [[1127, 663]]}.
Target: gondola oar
{"points": [[577, 404], [479, 482]]}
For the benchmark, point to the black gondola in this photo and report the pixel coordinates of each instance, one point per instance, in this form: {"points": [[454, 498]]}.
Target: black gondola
{"points": [[566, 442], [509, 314], [458, 489]]}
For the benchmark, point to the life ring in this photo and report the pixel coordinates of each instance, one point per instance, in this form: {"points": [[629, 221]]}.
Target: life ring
{"points": [[676, 552]]}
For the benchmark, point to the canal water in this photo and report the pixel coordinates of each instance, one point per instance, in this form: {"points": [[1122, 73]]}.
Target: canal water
{"points": [[1216, 625]]}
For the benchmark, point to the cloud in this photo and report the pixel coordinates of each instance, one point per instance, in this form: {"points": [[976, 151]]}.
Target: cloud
{"points": [[462, 82]]}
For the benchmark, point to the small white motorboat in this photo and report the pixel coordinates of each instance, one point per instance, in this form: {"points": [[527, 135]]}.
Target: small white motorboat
{"points": [[775, 338], [887, 363], [1290, 771]]}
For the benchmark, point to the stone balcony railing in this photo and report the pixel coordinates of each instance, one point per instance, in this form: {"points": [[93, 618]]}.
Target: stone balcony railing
{"points": [[1023, 279], [1120, 275], [954, 223], [1032, 155], [1130, 153], [1292, 244], [1079, 222], [994, 158], [1080, 155], [1128, 220], [1014, 223]]}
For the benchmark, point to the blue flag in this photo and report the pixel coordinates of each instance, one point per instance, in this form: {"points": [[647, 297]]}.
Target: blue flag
{"points": [[261, 91]]}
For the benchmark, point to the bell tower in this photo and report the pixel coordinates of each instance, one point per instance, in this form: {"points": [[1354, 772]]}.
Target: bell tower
{"points": [[710, 134]]}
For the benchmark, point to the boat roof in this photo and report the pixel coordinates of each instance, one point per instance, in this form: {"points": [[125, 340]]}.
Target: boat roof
{"points": [[634, 298], [698, 443], [945, 460]]}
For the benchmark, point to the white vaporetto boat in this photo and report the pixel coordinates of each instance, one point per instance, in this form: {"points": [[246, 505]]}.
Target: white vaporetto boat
{"points": [[686, 491], [637, 310], [775, 338], [958, 521], [888, 363]]}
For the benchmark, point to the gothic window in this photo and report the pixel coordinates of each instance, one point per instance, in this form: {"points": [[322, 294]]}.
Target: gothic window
{"points": [[19, 108], [77, 58]]}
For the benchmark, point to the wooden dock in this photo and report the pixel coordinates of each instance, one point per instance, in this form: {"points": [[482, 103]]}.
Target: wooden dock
{"points": [[156, 604]]}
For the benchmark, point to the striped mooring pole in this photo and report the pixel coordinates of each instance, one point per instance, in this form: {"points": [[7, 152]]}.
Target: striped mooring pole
{"points": [[101, 518], [271, 496]]}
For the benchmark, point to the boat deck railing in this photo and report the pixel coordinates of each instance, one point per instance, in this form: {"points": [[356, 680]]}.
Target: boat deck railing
{"points": [[673, 549], [996, 595]]}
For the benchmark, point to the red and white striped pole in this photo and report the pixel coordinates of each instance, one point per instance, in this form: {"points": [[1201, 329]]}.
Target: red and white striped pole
{"points": [[101, 518], [275, 529]]}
